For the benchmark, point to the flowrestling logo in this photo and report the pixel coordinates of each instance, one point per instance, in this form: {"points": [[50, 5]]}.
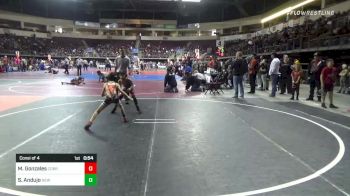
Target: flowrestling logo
{"points": [[311, 13]]}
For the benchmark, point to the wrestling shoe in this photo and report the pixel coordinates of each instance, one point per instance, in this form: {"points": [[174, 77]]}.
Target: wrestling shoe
{"points": [[87, 126]]}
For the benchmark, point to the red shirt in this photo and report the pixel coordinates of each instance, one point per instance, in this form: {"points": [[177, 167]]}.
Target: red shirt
{"points": [[252, 66], [5, 61], [296, 75], [328, 75]]}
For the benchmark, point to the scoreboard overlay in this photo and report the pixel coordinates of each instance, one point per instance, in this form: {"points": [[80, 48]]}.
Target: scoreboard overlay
{"points": [[56, 169]]}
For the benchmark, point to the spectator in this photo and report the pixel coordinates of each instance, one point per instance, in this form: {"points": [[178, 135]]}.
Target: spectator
{"points": [[343, 76], [5, 63], [327, 83], [315, 68], [274, 72], [263, 74], [122, 63], [285, 79], [170, 84], [252, 71], [239, 68], [296, 79]]}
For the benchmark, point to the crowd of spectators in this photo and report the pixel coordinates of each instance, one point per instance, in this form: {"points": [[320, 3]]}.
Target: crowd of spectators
{"points": [[312, 33], [63, 47]]}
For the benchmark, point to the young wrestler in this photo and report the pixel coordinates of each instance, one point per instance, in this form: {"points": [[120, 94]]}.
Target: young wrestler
{"points": [[110, 91], [296, 79], [75, 81], [101, 76], [128, 87]]}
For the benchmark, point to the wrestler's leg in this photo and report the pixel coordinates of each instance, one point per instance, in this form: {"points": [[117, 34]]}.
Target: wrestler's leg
{"points": [[122, 110], [95, 114], [135, 101], [116, 105]]}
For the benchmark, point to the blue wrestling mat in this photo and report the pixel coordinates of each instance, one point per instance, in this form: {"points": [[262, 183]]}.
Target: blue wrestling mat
{"points": [[133, 77]]}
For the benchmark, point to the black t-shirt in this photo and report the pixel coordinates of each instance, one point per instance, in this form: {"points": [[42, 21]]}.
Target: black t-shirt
{"points": [[285, 70], [239, 67], [170, 80]]}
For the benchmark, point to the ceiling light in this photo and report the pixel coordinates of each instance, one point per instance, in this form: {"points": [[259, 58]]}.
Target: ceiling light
{"points": [[285, 11], [197, 1]]}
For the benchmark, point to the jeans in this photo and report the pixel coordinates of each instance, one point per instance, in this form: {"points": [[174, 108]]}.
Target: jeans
{"points": [[238, 83], [263, 81], [286, 84], [252, 81], [315, 84], [274, 78]]}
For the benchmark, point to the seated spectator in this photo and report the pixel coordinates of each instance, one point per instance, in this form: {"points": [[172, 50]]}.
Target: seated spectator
{"points": [[170, 84], [195, 82]]}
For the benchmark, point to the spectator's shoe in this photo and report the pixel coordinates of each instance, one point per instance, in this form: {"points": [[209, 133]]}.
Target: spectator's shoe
{"points": [[339, 92], [319, 99], [250, 92], [125, 120], [323, 105], [235, 97], [292, 98], [127, 102], [113, 112], [87, 126], [139, 111], [272, 95], [242, 97], [297, 98], [309, 99], [333, 106]]}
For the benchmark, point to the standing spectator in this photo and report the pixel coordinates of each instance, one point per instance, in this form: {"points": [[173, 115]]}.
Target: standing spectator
{"points": [[274, 72], [91, 63], [2, 69], [5, 63], [296, 79], [285, 79], [79, 63], [263, 73], [86, 65], [343, 75], [315, 69], [108, 65], [239, 68], [24, 65], [252, 71], [66, 66], [122, 63], [327, 83]]}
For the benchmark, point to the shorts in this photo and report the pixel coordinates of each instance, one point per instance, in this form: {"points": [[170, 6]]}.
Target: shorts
{"points": [[108, 101], [328, 87]]}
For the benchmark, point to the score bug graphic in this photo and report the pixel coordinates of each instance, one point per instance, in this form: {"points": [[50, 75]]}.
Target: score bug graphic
{"points": [[90, 173], [56, 169]]}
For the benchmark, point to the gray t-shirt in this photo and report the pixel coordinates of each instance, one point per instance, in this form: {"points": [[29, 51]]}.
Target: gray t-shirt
{"points": [[122, 64]]}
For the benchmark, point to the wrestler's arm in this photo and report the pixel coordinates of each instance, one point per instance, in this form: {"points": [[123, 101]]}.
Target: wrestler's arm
{"points": [[124, 93]]}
